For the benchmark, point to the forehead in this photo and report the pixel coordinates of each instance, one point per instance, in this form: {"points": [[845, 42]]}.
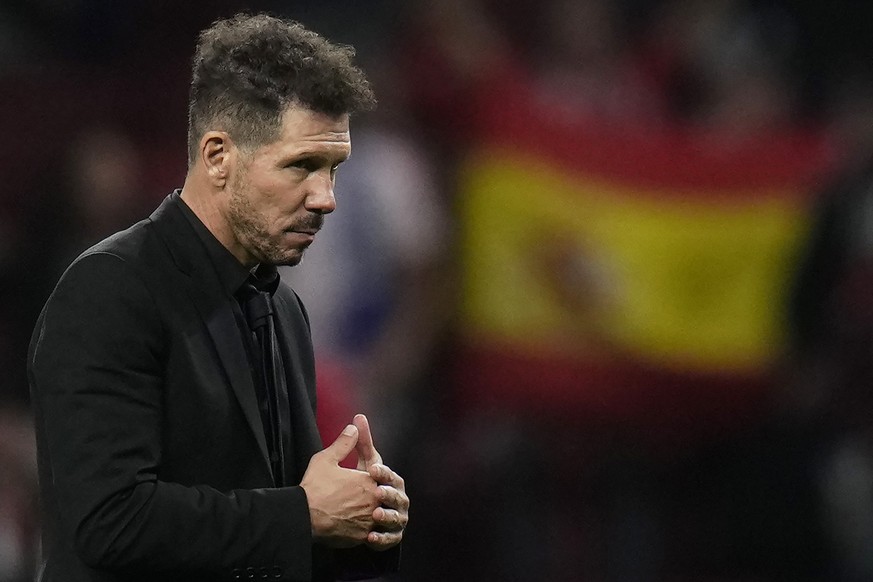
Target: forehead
{"points": [[306, 130]]}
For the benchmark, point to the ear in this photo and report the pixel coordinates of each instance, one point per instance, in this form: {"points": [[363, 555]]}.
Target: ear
{"points": [[215, 154]]}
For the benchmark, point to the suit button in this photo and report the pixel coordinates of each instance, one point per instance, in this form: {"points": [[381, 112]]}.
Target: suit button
{"points": [[277, 572], [237, 574], [250, 573]]}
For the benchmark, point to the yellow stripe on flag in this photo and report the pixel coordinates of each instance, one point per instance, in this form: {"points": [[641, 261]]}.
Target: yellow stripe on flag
{"points": [[573, 265]]}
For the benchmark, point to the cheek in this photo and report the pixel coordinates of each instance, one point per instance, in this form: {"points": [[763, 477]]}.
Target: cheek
{"points": [[279, 222], [278, 200], [269, 208]]}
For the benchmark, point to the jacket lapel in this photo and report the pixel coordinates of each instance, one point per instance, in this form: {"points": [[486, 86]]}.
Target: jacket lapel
{"points": [[232, 355], [292, 330], [215, 309]]}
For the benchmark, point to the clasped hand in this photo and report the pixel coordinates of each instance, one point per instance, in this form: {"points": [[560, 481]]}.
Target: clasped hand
{"points": [[348, 507]]}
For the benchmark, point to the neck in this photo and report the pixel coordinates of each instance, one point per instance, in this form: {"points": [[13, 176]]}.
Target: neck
{"points": [[205, 202]]}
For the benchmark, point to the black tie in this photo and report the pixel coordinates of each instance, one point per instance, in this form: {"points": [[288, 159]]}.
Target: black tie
{"points": [[258, 309]]}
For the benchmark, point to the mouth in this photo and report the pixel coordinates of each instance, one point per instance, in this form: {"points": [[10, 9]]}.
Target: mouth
{"points": [[301, 237]]}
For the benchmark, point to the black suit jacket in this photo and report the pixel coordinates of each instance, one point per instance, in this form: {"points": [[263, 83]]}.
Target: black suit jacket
{"points": [[152, 458]]}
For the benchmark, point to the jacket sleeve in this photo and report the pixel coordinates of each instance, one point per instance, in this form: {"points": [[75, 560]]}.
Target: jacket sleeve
{"points": [[96, 372]]}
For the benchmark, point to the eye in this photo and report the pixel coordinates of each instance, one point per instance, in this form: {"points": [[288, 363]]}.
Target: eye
{"points": [[307, 164]]}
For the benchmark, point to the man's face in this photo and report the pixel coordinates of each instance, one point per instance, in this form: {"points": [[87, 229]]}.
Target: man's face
{"points": [[280, 192]]}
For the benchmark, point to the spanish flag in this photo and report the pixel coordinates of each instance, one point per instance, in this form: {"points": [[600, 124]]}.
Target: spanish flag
{"points": [[622, 270]]}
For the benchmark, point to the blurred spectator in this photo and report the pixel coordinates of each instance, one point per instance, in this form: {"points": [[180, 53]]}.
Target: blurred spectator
{"points": [[832, 317], [724, 66], [100, 191], [584, 63]]}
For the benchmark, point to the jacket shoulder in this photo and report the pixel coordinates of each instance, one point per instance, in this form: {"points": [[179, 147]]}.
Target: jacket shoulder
{"points": [[127, 244]]}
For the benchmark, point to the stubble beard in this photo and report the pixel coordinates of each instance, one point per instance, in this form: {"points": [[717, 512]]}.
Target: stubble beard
{"points": [[252, 232]]}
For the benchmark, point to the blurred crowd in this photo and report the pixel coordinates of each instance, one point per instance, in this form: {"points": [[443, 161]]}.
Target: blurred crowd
{"points": [[601, 272]]}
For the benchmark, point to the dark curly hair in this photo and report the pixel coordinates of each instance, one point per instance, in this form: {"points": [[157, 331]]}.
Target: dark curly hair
{"points": [[248, 69]]}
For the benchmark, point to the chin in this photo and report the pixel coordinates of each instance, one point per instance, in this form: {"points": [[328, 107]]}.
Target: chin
{"points": [[280, 255], [288, 260]]}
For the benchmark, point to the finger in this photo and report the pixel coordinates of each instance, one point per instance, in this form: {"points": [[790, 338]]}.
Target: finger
{"points": [[381, 541], [343, 445], [383, 475], [367, 453], [393, 498], [390, 519]]}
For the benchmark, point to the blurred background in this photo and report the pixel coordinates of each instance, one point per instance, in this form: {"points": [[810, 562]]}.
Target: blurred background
{"points": [[601, 273]]}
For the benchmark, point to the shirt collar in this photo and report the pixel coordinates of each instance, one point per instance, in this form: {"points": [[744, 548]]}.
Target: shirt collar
{"points": [[265, 278]]}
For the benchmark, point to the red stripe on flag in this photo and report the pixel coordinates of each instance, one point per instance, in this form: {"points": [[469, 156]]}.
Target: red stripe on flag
{"points": [[670, 405], [665, 161]]}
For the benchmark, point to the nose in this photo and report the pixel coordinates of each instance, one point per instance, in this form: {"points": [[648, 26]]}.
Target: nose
{"points": [[320, 198]]}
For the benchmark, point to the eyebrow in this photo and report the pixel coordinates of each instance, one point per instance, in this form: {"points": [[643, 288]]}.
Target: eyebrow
{"points": [[317, 159], [317, 156]]}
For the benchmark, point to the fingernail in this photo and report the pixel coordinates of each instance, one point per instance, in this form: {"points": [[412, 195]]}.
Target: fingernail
{"points": [[349, 430]]}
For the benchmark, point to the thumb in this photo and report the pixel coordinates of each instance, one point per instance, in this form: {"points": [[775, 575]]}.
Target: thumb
{"points": [[343, 445]]}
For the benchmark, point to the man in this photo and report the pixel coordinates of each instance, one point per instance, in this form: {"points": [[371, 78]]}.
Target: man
{"points": [[175, 424]]}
